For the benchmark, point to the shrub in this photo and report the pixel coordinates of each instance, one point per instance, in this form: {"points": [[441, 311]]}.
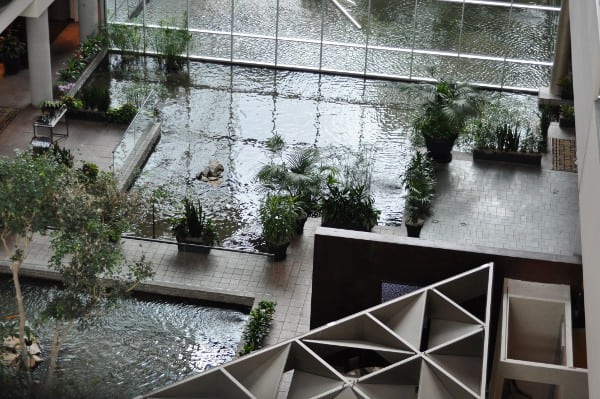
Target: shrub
{"points": [[419, 182], [258, 327], [279, 218], [194, 223], [124, 114], [348, 207]]}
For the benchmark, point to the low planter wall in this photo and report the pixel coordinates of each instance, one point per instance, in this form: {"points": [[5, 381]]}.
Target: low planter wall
{"points": [[526, 158]]}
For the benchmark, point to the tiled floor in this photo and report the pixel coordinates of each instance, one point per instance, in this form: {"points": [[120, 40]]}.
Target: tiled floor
{"points": [[479, 203]]}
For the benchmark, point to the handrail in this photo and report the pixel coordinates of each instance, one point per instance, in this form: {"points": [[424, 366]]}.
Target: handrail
{"points": [[132, 128]]}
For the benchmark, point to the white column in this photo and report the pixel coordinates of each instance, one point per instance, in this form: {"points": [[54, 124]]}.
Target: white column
{"points": [[38, 51], [88, 18]]}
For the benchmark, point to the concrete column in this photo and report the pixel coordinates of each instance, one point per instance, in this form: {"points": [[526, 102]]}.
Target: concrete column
{"points": [[38, 51], [562, 50], [88, 18]]}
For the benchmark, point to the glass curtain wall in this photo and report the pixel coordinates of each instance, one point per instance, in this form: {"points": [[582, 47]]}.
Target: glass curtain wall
{"points": [[500, 43]]}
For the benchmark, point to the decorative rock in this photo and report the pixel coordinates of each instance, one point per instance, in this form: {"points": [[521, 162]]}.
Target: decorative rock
{"points": [[34, 349], [11, 342], [10, 353], [9, 358], [212, 172]]}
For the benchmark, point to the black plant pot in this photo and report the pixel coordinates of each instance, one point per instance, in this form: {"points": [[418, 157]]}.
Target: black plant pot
{"points": [[413, 230], [440, 149], [300, 225], [279, 251]]}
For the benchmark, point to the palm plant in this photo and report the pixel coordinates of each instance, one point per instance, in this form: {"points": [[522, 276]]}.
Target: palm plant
{"points": [[445, 107], [299, 174]]}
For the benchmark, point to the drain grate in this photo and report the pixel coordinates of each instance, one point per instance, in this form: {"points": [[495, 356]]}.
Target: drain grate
{"points": [[564, 155]]}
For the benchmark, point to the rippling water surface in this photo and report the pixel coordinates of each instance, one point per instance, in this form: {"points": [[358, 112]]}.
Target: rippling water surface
{"points": [[483, 29], [140, 346], [227, 113]]}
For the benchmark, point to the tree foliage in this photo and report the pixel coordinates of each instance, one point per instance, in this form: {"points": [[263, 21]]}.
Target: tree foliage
{"points": [[88, 215]]}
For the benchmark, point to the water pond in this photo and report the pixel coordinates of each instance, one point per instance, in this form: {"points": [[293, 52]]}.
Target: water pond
{"points": [[144, 344]]}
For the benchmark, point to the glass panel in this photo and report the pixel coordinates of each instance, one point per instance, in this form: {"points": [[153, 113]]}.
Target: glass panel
{"points": [[438, 25], [255, 16], [122, 10], [347, 24], [210, 15], [298, 54], [300, 19], [254, 49], [341, 58], [480, 71], [295, 120], [527, 76], [532, 34], [254, 115], [486, 30], [211, 45], [444, 67], [392, 23], [171, 12], [386, 62]]}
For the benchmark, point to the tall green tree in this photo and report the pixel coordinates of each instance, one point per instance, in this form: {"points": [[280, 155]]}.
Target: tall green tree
{"points": [[88, 215], [29, 190]]}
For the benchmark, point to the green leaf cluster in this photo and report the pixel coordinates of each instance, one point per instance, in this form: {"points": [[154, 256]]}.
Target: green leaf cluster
{"points": [[194, 223], [419, 183], [279, 217], [258, 327], [348, 207], [299, 174], [123, 114], [171, 42], [445, 107]]}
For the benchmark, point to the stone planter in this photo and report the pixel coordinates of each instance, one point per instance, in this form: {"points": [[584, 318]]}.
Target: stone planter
{"points": [[525, 158], [196, 248]]}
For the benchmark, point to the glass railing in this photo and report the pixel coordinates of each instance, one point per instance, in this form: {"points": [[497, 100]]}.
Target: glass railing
{"points": [[136, 132]]}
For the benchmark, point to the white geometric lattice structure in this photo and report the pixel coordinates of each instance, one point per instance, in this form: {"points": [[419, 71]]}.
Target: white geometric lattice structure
{"points": [[431, 343]]}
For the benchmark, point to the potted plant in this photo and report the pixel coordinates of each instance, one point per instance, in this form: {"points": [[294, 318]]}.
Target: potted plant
{"points": [[279, 218], [348, 207], [445, 108], [419, 182], [193, 227], [567, 116], [49, 109], [12, 51], [299, 174]]}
